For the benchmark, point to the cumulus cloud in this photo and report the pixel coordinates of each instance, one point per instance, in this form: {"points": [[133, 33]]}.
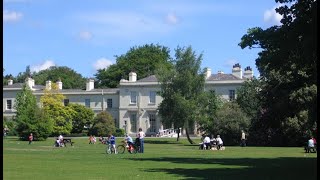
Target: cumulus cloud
{"points": [[11, 16], [102, 63], [172, 18], [43, 66], [85, 35], [271, 16]]}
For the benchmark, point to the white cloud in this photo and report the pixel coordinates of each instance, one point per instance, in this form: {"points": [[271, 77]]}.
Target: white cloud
{"points": [[43, 66], [271, 16], [11, 16], [85, 35], [172, 18], [102, 63]]}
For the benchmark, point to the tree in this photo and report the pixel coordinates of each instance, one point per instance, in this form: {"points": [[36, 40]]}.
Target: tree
{"points": [[144, 60], [229, 123], [70, 78], [288, 67], [103, 125], [52, 104], [83, 117], [30, 118], [180, 89], [22, 76]]}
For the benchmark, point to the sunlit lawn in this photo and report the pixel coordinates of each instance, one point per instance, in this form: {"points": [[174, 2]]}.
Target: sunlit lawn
{"points": [[163, 159]]}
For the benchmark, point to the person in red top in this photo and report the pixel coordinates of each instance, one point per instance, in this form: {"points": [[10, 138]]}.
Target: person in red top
{"points": [[30, 138]]}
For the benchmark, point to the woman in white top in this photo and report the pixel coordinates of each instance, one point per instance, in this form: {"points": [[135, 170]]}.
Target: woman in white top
{"points": [[141, 136], [219, 142]]}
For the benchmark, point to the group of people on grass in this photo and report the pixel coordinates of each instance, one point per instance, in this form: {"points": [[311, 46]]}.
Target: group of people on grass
{"points": [[212, 144]]}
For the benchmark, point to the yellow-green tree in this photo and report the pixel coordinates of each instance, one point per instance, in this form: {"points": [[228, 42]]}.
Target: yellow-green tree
{"points": [[52, 104]]}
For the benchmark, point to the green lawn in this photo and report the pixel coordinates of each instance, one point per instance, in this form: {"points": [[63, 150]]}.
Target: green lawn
{"points": [[163, 159]]}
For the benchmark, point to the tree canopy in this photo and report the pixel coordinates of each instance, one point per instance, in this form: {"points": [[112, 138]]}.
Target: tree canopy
{"points": [[144, 60], [70, 78], [288, 66]]}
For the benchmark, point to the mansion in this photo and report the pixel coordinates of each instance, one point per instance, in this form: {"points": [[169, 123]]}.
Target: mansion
{"points": [[134, 103]]}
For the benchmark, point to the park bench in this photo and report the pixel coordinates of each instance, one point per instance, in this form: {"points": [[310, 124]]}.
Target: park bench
{"points": [[65, 141]]}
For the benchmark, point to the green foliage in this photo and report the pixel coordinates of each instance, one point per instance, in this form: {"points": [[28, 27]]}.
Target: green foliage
{"points": [[180, 89], [83, 117], [22, 76], [52, 104], [10, 125], [288, 67], [229, 123], [103, 125], [30, 118], [70, 78], [144, 60], [119, 132]]}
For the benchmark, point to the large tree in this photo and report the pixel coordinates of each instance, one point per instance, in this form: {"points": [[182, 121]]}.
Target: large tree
{"points": [[30, 118], [52, 104], [83, 117], [180, 89], [144, 60], [70, 78], [288, 66]]}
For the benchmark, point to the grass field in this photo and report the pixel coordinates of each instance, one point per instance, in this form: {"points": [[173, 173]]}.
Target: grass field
{"points": [[163, 159]]}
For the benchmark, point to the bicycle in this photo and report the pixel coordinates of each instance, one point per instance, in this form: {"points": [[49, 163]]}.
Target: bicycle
{"points": [[110, 149], [132, 148]]}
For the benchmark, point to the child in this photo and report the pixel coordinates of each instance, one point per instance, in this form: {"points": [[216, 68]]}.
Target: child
{"points": [[30, 138]]}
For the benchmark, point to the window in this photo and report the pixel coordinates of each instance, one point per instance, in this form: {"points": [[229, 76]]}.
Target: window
{"points": [[87, 103], [231, 95], [9, 104], [152, 97], [133, 97], [152, 118], [109, 103], [66, 102], [133, 122]]}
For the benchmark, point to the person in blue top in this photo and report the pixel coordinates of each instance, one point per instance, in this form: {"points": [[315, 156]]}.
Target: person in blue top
{"points": [[112, 141]]}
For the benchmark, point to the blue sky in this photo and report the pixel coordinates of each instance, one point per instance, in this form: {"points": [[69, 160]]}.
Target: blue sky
{"points": [[86, 35]]}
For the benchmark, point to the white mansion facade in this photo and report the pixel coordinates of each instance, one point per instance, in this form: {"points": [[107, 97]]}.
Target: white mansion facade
{"points": [[134, 103]]}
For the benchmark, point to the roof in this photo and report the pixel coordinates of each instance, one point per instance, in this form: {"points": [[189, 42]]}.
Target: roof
{"points": [[152, 78], [16, 85], [222, 77]]}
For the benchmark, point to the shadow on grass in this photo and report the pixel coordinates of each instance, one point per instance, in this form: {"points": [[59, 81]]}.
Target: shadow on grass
{"points": [[242, 168]]}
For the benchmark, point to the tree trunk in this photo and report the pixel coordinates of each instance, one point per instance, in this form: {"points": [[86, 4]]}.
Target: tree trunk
{"points": [[190, 140], [178, 134]]}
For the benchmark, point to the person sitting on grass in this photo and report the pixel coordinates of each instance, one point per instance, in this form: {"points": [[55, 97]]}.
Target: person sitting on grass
{"points": [[219, 142], [310, 145], [206, 143]]}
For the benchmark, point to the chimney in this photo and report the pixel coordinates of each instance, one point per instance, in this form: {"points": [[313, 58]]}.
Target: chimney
{"points": [[90, 85], [208, 73], [10, 82], [248, 73], [59, 84], [48, 85], [30, 82], [132, 77], [236, 70]]}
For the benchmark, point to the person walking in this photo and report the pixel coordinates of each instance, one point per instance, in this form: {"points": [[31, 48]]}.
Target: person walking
{"points": [[243, 138], [30, 138], [141, 136]]}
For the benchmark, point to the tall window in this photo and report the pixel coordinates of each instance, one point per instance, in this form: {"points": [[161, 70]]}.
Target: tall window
{"points": [[66, 102], [152, 97], [109, 103], [9, 104], [152, 118], [133, 122], [231, 95], [87, 103], [133, 97]]}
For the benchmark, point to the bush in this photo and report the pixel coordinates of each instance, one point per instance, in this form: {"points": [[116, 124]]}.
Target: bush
{"points": [[103, 125], [77, 135], [119, 132]]}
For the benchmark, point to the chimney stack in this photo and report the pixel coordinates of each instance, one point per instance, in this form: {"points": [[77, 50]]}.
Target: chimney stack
{"points": [[237, 71], [48, 85], [10, 82], [30, 82], [90, 85], [59, 84], [208, 73], [132, 77], [248, 73]]}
